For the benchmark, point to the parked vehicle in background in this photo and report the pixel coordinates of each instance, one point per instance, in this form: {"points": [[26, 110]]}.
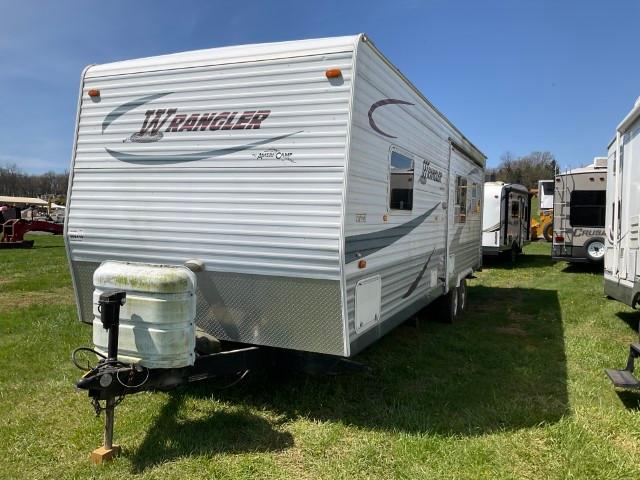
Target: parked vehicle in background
{"points": [[579, 213], [544, 226], [622, 222], [506, 218]]}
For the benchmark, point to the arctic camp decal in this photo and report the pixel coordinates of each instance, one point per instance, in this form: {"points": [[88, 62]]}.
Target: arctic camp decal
{"points": [[155, 123], [382, 103]]}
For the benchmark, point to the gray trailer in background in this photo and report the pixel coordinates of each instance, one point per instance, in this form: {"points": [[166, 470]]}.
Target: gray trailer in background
{"points": [[579, 202]]}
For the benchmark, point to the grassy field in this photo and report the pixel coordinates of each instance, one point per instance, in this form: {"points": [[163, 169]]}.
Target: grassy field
{"points": [[514, 390]]}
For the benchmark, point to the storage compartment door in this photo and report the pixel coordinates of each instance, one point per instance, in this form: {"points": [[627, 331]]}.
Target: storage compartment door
{"points": [[368, 292]]}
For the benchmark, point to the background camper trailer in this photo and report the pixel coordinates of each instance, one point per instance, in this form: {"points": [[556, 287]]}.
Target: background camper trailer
{"points": [[623, 229], [318, 196], [505, 218], [579, 213], [544, 226]]}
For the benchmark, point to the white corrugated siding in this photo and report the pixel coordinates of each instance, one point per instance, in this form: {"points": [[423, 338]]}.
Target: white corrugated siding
{"points": [[234, 211], [421, 130]]}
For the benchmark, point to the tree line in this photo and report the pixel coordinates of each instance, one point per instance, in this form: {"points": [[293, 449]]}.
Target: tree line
{"points": [[525, 170], [16, 183]]}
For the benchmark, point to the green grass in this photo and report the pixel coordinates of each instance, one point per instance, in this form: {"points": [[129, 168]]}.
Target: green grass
{"points": [[514, 390]]}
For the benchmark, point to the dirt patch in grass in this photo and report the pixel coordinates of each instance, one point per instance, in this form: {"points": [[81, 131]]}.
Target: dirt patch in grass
{"points": [[17, 300]]}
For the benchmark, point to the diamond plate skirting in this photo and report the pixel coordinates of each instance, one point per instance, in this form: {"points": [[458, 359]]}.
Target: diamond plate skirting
{"points": [[285, 312]]}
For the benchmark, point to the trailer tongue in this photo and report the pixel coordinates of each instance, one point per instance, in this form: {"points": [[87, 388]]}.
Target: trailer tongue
{"points": [[145, 338]]}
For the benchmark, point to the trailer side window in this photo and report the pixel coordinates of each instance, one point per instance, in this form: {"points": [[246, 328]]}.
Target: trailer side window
{"points": [[401, 182], [461, 200], [515, 209]]}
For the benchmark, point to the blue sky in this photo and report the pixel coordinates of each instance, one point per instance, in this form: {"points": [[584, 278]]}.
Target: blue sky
{"points": [[517, 75]]}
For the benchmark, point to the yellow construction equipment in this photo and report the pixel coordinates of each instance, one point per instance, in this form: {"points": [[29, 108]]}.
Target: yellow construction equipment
{"points": [[544, 227]]}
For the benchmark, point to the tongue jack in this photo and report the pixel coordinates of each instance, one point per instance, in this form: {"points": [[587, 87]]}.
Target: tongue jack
{"points": [[109, 307]]}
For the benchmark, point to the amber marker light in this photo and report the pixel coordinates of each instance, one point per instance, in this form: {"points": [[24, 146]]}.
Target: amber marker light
{"points": [[362, 263], [333, 73], [94, 92]]}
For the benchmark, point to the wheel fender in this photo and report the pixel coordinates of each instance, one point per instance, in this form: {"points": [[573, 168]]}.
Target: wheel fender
{"points": [[464, 274]]}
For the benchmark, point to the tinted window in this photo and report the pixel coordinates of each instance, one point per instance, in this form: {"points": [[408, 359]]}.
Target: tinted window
{"points": [[515, 209], [547, 188], [401, 182], [587, 208]]}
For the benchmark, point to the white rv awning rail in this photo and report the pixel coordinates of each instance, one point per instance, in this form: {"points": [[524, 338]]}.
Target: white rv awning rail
{"points": [[630, 118]]}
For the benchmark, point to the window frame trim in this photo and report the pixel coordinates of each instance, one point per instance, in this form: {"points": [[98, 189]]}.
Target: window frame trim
{"points": [[406, 153]]}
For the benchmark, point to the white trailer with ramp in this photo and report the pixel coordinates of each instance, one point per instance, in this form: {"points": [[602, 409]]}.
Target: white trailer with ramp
{"points": [[320, 197], [622, 226]]}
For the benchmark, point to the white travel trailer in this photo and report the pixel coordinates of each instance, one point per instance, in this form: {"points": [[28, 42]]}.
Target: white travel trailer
{"points": [[322, 197], [623, 212], [545, 194], [622, 224], [579, 213], [506, 218]]}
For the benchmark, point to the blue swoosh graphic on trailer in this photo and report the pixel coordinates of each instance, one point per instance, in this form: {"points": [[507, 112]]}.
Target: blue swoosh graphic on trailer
{"points": [[415, 283], [359, 246], [125, 107], [190, 157]]}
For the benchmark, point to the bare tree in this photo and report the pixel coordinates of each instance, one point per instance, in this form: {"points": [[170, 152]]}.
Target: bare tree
{"points": [[526, 170], [15, 182]]}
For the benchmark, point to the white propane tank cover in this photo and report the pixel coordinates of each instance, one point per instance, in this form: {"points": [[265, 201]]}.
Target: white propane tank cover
{"points": [[157, 321]]}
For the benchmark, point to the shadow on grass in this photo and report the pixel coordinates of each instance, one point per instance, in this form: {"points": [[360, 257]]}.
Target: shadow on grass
{"points": [[630, 318], [502, 367], [222, 432], [522, 261], [631, 400], [586, 267]]}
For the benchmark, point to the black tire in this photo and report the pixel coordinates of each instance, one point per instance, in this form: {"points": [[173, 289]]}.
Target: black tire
{"points": [[448, 307], [462, 296], [513, 253], [548, 232], [595, 250]]}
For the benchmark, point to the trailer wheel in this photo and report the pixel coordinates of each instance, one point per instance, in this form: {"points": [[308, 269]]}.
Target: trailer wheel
{"points": [[548, 232], [462, 295], [513, 253], [449, 306], [595, 250]]}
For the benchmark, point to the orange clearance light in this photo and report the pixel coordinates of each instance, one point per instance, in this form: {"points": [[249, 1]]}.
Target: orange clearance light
{"points": [[362, 263], [333, 73], [94, 92]]}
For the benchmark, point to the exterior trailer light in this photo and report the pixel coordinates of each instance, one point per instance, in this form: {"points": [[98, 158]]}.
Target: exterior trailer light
{"points": [[333, 73]]}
